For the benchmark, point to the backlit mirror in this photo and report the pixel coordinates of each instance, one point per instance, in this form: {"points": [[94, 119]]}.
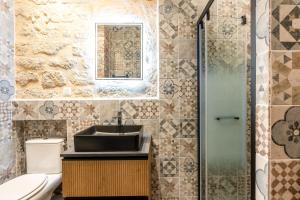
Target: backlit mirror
{"points": [[119, 51]]}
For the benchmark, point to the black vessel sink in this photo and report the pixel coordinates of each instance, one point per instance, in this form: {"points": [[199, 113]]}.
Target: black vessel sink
{"points": [[109, 138]]}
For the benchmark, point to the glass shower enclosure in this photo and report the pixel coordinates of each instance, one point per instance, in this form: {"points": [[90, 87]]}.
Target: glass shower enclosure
{"points": [[224, 102]]}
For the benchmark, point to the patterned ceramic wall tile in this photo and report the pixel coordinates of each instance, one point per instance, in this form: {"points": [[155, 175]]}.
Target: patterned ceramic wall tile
{"points": [[187, 48], [188, 148], [168, 19], [49, 110], [285, 83], [169, 109], [262, 130], [169, 188], [168, 49], [26, 110], [188, 68], [227, 28], [169, 167], [284, 25], [169, 88], [186, 27], [169, 128], [285, 180], [285, 132], [149, 110], [169, 69], [169, 147], [188, 128]]}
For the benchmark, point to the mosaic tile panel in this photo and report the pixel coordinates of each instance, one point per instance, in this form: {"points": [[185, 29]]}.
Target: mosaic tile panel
{"points": [[285, 180], [285, 30]]}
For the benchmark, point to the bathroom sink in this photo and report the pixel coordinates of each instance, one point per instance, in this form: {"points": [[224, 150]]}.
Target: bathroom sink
{"points": [[109, 138]]}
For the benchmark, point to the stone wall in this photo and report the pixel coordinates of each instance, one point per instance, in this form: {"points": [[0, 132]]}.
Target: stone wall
{"points": [[55, 48]]}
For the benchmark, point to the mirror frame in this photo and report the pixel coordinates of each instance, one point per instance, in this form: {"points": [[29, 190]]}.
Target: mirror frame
{"points": [[141, 56]]}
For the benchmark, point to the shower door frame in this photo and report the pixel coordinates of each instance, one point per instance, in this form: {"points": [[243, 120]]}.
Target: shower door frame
{"points": [[200, 27]]}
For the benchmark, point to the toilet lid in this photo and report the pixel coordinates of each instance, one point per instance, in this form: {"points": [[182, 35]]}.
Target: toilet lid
{"points": [[23, 186]]}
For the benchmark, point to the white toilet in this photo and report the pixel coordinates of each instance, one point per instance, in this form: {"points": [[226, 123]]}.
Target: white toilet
{"points": [[43, 172]]}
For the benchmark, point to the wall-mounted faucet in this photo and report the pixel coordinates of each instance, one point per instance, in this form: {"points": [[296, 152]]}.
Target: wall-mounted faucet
{"points": [[119, 120], [119, 117]]}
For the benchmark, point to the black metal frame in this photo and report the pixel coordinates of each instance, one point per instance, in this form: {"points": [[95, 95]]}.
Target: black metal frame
{"points": [[200, 25]]}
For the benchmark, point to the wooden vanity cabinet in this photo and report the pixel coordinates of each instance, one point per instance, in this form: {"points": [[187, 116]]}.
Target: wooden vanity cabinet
{"points": [[106, 178]]}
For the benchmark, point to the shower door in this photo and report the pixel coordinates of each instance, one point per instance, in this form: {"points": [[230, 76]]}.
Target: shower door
{"points": [[224, 132]]}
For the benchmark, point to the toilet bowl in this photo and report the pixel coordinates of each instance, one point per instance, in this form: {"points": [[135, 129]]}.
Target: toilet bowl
{"points": [[43, 172]]}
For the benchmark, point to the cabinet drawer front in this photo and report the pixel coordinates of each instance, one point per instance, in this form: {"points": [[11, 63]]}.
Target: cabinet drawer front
{"points": [[92, 178]]}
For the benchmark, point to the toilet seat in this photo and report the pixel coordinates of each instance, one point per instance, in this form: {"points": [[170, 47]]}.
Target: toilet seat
{"points": [[23, 187]]}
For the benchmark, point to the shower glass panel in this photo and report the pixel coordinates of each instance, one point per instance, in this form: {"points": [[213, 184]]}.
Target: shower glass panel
{"points": [[224, 115]]}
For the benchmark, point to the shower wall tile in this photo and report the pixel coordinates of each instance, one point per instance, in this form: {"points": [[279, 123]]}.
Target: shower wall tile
{"points": [[285, 132], [285, 81], [262, 27], [262, 79], [262, 130], [285, 180], [228, 28], [285, 30]]}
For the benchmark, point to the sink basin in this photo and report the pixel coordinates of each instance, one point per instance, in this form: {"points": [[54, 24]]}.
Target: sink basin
{"points": [[109, 138]]}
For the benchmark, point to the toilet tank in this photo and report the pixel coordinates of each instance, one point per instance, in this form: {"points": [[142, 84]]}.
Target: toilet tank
{"points": [[43, 155]]}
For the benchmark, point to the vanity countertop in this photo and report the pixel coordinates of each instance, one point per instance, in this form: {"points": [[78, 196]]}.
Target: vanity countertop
{"points": [[141, 154]]}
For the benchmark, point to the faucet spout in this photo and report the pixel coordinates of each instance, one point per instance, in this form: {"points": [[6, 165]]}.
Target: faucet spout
{"points": [[119, 119]]}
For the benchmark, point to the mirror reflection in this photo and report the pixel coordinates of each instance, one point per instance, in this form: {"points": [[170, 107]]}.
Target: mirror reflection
{"points": [[119, 51]]}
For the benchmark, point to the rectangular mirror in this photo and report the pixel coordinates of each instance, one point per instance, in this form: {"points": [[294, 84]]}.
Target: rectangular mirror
{"points": [[119, 50]]}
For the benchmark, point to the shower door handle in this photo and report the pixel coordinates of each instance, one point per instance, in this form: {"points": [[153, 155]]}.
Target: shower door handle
{"points": [[227, 117]]}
